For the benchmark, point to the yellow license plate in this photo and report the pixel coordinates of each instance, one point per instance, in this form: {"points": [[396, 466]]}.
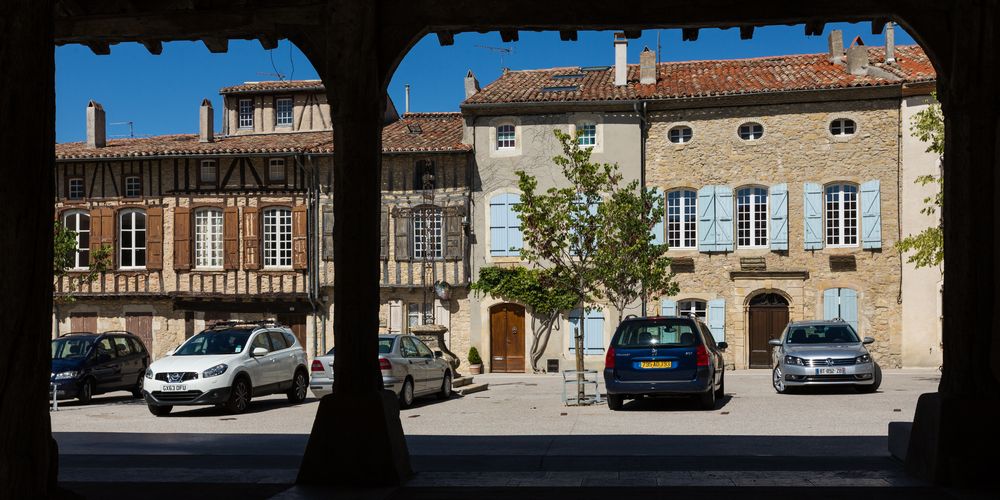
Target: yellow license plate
{"points": [[656, 364]]}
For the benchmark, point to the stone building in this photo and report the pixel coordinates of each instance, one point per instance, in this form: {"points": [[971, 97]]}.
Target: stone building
{"points": [[783, 180]]}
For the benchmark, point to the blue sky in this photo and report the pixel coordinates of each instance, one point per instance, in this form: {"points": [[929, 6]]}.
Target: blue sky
{"points": [[161, 94]]}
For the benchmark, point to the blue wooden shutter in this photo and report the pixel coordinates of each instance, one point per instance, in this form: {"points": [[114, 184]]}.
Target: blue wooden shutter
{"points": [[499, 212], [779, 217], [659, 236], [706, 219], [812, 195], [849, 307], [668, 308], [723, 218], [515, 241], [717, 319], [574, 323], [831, 303], [871, 215], [593, 340]]}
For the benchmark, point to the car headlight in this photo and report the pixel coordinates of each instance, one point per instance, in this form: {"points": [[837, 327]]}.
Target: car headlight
{"points": [[214, 371], [792, 360], [864, 358], [149, 373], [66, 375]]}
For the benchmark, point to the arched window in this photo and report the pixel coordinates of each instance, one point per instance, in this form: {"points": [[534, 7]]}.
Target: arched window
{"points": [[208, 238], [680, 134], [79, 222], [751, 131], [277, 237], [505, 136], [505, 226], [682, 219], [842, 127], [586, 134], [132, 239], [841, 211], [427, 233], [751, 217], [692, 307]]}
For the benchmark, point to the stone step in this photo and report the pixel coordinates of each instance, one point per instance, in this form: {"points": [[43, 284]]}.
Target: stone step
{"points": [[461, 381], [471, 389]]}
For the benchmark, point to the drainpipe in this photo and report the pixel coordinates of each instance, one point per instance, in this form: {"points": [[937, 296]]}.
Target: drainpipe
{"points": [[311, 269], [640, 109]]}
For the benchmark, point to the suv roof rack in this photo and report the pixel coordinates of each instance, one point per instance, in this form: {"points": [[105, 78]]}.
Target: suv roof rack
{"points": [[117, 331], [226, 324], [78, 333]]}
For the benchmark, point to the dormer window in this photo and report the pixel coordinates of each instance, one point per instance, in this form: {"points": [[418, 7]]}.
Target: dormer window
{"points": [[246, 113], [505, 136], [283, 112]]}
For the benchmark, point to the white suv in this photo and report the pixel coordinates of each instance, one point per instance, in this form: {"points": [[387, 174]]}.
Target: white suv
{"points": [[226, 365]]}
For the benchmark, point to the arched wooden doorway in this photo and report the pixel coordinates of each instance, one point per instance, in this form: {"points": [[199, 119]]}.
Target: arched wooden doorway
{"points": [[507, 338], [767, 317]]}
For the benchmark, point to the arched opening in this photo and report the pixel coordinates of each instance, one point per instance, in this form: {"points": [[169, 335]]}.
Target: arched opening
{"points": [[507, 338], [767, 315]]}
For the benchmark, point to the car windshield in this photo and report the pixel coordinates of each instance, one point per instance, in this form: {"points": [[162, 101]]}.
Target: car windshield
{"points": [[821, 334], [214, 342], [332, 351], [668, 332], [70, 348], [385, 345]]}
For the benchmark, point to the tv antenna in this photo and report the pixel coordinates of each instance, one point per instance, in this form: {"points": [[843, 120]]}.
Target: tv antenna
{"points": [[498, 50], [131, 128], [279, 76]]}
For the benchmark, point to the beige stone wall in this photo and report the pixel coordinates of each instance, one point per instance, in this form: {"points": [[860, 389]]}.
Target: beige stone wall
{"points": [[310, 112], [797, 147], [452, 314], [168, 324]]}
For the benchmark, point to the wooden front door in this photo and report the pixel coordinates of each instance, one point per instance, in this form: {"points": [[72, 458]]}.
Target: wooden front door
{"points": [[507, 338], [83, 322], [767, 320], [297, 322], [141, 325]]}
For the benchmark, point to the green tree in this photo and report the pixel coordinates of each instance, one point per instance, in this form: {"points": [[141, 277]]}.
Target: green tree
{"points": [[927, 246], [64, 257]]}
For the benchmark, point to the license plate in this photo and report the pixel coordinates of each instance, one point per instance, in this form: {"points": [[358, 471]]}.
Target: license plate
{"points": [[830, 371], [656, 364], [174, 388]]}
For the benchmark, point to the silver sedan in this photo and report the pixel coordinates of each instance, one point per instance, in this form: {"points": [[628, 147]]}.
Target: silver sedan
{"points": [[811, 353], [409, 368]]}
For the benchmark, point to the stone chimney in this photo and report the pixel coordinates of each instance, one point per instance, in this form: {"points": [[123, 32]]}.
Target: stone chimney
{"points": [[647, 67], [836, 44], [857, 58], [206, 122], [621, 60], [890, 43], [96, 132], [471, 84]]}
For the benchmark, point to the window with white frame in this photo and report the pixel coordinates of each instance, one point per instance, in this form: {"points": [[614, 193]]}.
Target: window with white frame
{"points": [[427, 233], [74, 190], [416, 317], [208, 173], [282, 112], [682, 219], [751, 217], [751, 131], [586, 135], [680, 134], [132, 239], [277, 237], [246, 113], [79, 223], [841, 215], [276, 170], [208, 238], [842, 127], [133, 186], [505, 136], [692, 307]]}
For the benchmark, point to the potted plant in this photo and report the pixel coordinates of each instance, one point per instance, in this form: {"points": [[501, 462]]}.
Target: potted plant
{"points": [[475, 362]]}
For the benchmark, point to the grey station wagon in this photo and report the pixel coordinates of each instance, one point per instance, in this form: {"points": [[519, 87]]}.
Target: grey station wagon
{"points": [[811, 353]]}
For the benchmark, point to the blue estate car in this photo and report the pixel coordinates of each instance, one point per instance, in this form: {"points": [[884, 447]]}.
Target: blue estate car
{"points": [[87, 364], [664, 356]]}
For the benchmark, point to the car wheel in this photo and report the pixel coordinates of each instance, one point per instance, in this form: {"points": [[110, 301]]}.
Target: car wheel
{"points": [[778, 380], [615, 402], [406, 394], [137, 389], [86, 391], [239, 396], [707, 399], [721, 391], [297, 393], [875, 385], [160, 411], [445, 387]]}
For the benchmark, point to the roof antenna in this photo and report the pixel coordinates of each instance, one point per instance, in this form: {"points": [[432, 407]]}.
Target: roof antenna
{"points": [[131, 129], [499, 50]]}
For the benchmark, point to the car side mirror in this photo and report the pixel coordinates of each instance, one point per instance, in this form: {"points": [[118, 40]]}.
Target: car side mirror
{"points": [[723, 346], [259, 351], [868, 340], [438, 354], [774, 342]]}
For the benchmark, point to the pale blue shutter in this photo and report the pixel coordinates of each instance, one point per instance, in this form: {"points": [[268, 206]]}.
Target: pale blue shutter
{"points": [[871, 215], [593, 340], [717, 319], [831, 303], [779, 217], [668, 308], [723, 218], [515, 241], [706, 219], [812, 195], [659, 236], [574, 323], [849, 307], [499, 211]]}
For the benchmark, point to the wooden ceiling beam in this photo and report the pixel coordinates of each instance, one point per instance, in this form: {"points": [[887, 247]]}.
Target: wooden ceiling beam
{"points": [[268, 42], [689, 34], [814, 28], [746, 32], [508, 35], [99, 48], [216, 45], [154, 47], [567, 35]]}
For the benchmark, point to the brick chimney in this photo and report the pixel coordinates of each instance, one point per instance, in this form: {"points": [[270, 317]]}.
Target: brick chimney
{"points": [[857, 58], [890, 43], [836, 44], [206, 122], [647, 67], [471, 84], [96, 132], [621, 60]]}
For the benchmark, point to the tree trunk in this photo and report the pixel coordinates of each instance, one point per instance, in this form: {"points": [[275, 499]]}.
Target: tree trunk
{"points": [[541, 332], [28, 460], [578, 343]]}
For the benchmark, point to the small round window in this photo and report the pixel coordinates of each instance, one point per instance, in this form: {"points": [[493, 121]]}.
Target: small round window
{"points": [[842, 127], [751, 131], [679, 134]]}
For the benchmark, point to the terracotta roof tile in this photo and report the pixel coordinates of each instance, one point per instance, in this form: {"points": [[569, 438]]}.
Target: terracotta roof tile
{"points": [[425, 132], [273, 86], [702, 79]]}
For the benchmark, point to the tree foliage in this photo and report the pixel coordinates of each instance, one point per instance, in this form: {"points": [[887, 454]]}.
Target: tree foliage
{"points": [[64, 256], [926, 248], [530, 287]]}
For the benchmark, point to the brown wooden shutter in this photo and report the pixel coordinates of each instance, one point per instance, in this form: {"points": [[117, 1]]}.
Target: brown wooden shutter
{"points": [[154, 238], [182, 238], [453, 237], [384, 233], [328, 231], [109, 236], [231, 237], [251, 238], [96, 236], [402, 237], [300, 254]]}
